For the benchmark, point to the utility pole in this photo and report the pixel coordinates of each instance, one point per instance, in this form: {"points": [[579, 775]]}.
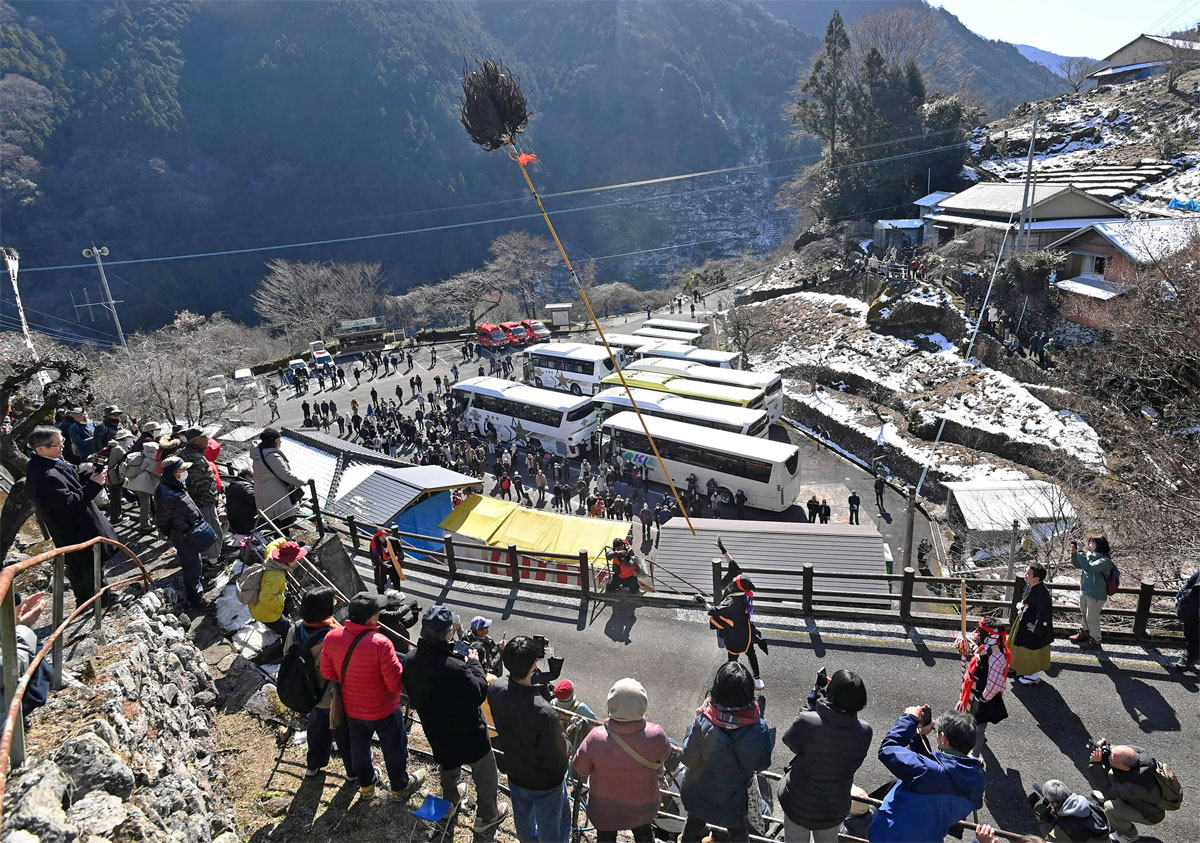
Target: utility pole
{"points": [[108, 303], [12, 260], [1022, 229]]}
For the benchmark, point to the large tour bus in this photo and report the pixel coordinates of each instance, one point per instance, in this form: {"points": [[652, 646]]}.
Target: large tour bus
{"points": [[752, 399], [688, 337], [569, 366], [665, 405], [683, 351], [767, 472], [563, 424], [677, 325], [744, 378]]}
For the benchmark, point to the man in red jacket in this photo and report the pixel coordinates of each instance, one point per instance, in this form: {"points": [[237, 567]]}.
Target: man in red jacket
{"points": [[363, 661]]}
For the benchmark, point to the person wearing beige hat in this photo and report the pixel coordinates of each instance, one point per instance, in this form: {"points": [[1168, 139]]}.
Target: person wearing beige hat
{"points": [[622, 759]]}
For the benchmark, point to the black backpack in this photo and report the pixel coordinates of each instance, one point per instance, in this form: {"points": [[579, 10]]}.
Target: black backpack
{"points": [[296, 683]]}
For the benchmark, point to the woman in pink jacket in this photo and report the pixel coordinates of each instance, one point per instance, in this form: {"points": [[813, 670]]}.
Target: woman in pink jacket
{"points": [[623, 758]]}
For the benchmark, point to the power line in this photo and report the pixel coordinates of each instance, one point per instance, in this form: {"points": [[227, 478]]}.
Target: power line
{"points": [[515, 218]]}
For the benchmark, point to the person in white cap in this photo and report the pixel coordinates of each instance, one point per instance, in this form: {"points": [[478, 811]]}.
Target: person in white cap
{"points": [[623, 759]]}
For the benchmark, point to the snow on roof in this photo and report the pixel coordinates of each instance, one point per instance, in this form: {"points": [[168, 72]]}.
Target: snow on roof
{"points": [[991, 506], [997, 198], [971, 221], [1142, 241], [934, 198], [900, 223], [1177, 43], [1068, 224], [1093, 288]]}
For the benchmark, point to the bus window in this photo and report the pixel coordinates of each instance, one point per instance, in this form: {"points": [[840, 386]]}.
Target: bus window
{"points": [[579, 413], [791, 463]]}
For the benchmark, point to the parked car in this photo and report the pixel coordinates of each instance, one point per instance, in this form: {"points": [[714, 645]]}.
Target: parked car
{"points": [[322, 358], [297, 366], [517, 335], [491, 336], [537, 331]]}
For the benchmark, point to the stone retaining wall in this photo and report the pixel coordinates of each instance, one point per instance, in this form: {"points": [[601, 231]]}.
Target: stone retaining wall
{"points": [[126, 751]]}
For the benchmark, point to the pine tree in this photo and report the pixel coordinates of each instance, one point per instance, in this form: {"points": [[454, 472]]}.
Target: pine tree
{"points": [[822, 109]]}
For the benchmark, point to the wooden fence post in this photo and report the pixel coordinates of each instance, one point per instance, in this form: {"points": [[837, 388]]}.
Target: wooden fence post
{"points": [[316, 507], [806, 588], [451, 561], [585, 573], [513, 562], [56, 604], [1145, 599], [906, 594], [352, 525], [716, 572]]}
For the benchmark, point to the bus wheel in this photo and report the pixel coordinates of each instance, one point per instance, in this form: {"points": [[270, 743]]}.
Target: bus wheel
{"points": [[724, 496], [575, 390]]}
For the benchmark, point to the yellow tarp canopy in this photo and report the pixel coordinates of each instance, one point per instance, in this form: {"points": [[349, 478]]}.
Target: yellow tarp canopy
{"points": [[501, 523]]}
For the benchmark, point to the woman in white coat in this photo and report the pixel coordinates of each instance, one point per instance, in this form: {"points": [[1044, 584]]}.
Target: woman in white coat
{"points": [[273, 479]]}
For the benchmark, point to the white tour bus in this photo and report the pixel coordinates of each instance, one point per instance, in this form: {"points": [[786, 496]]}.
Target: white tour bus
{"points": [[678, 325], [562, 423], [665, 405], [744, 378], [573, 367], [629, 343], [682, 351], [689, 337], [767, 472]]}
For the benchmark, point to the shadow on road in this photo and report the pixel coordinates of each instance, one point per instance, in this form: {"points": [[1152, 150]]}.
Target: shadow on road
{"points": [[621, 620], [1144, 702], [1005, 795], [1055, 720]]}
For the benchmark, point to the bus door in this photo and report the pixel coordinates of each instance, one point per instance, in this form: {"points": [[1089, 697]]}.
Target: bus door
{"points": [[527, 369]]}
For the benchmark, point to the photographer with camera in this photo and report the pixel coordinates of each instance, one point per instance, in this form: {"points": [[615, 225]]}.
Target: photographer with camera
{"points": [[936, 788], [531, 737], [1128, 779], [829, 741], [624, 568], [446, 685], [1067, 817]]}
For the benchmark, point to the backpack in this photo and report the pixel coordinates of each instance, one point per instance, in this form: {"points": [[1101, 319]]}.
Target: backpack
{"points": [[1168, 784], [1113, 581], [296, 683], [248, 585]]}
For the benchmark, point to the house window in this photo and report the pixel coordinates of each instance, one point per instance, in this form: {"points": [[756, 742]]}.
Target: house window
{"points": [[1093, 265]]}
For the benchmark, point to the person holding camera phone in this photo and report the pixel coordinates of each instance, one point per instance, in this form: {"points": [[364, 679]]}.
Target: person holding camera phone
{"points": [[829, 741], [1094, 565], [446, 684], [936, 788], [1067, 817], [732, 618]]}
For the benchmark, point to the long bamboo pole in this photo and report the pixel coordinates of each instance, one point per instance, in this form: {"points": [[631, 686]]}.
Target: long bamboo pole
{"points": [[522, 159]]}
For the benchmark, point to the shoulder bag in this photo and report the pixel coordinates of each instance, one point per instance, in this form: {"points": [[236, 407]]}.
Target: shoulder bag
{"points": [[634, 754], [337, 712], [295, 493]]}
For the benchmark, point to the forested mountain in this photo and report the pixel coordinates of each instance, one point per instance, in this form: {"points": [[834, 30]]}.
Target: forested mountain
{"points": [[1054, 61], [166, 128]]}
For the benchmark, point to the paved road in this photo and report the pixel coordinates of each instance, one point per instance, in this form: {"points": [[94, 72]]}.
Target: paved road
{"points": [[1126, 694]]}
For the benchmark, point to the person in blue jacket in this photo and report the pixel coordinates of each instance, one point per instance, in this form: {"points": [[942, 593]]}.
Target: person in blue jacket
{"points": [[936, 788], [724, 749]]}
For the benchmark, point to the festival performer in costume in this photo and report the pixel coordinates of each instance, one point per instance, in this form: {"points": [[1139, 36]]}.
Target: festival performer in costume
{"points": [[733, 617], [386, 557], [985, 659]]}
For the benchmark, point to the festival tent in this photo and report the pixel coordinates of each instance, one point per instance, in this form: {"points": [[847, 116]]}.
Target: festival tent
{"points": [[498, 524]]}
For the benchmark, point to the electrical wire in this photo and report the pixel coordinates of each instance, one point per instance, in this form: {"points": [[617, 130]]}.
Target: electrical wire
{"points": [[494, 220], [81, 326]]}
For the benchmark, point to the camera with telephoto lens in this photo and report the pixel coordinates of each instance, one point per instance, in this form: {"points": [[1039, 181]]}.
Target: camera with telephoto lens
{"points": [[1103, 746], [1042, 809]]}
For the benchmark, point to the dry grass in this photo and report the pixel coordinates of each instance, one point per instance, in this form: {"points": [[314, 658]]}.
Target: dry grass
{"points": [[275, 802]]}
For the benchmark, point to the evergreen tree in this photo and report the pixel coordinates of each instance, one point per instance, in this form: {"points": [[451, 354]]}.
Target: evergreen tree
{"points": [[821, 110]]}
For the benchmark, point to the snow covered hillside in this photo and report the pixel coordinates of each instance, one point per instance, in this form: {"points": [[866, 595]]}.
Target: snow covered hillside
{"points": [[899, 390], [1141, 142]]}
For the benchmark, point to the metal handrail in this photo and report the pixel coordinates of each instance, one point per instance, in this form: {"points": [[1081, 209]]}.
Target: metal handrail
{"points": [[14, 726]]}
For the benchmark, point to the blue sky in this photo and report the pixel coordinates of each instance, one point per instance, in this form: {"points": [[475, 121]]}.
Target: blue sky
{"points": [[1072, 27]]}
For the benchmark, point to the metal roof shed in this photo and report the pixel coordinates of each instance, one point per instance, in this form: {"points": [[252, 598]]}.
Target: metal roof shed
{"points": [[784, 547], [384, 493], [986, 509]]}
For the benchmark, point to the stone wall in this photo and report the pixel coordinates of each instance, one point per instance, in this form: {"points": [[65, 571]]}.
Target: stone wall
{"points": [[126, 750]]}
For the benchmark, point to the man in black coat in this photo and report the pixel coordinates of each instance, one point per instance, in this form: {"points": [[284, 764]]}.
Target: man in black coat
{"points": [[239, 503], [447, 689], [830, 742], [66, 503], [202, 485]]}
